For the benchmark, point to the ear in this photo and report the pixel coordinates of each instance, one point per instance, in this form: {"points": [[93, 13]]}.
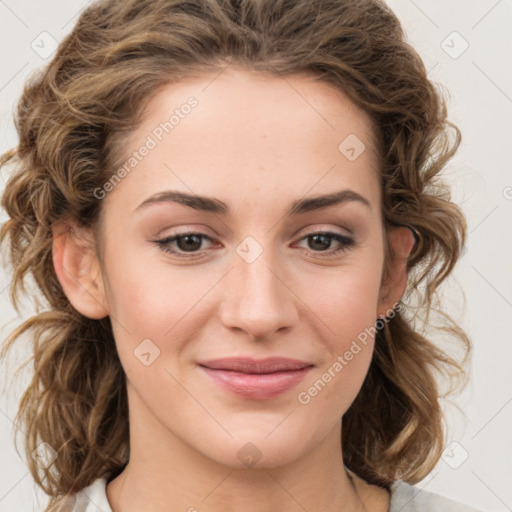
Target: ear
{"points": [[78, 271], [394, 282]]}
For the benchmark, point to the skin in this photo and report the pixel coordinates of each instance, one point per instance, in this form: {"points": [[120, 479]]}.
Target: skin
{"points": [[257, 144]]}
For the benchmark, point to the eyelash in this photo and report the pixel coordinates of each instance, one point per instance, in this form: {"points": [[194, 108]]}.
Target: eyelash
{"points": [[345, 241]]}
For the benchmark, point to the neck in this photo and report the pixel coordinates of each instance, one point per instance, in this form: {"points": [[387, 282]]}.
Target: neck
{"points": [[164, 473]]}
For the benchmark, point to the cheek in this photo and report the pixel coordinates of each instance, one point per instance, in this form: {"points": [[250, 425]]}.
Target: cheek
{"points": [[350, 317], [346, 306], [345, 301], [146, 302]]}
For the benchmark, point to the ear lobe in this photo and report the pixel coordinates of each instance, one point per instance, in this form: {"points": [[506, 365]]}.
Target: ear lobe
{"points": [[401, 241], [78, 270]]}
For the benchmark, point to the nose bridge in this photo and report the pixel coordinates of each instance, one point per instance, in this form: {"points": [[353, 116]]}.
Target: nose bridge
{"points": [[259, 300]]}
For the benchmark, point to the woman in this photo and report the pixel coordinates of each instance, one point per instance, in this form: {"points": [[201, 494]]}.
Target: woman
{"points": [[234, 214]]}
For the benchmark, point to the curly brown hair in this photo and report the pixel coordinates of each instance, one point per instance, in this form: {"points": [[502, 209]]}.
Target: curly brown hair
{"points": [[71, 119]]}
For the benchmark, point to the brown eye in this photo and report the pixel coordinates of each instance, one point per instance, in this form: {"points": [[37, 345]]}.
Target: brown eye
{"points": [[320, 242], [184, 242], [188, 242]]}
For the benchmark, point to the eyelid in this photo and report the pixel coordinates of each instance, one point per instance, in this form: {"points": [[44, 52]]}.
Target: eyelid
{"points": [[327, 229], [185, 229]]}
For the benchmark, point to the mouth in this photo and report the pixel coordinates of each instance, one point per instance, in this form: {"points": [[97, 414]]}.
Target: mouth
{"points": [[253, 379]]}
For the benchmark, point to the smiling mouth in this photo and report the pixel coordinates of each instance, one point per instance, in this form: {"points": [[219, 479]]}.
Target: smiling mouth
{"points": [[256, 380]]}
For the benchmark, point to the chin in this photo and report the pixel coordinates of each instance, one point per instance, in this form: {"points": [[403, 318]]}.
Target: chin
{"points": [[258, 450]]}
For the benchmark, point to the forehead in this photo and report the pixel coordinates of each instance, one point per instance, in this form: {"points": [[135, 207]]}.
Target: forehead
{"points": [[238, 132]]}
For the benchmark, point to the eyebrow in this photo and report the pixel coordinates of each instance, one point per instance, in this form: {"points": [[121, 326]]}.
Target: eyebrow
{"points": [[213, 205]]}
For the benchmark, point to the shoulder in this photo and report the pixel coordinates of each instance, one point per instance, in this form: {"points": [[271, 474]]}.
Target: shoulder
{"points": [[407, 498], [91, 499]]}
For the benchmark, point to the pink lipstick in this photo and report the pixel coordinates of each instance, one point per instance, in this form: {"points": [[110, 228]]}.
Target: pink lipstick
{"points": [[256, 379]]}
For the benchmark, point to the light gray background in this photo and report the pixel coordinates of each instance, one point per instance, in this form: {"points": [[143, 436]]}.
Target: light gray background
{"points": [[476, 467]]}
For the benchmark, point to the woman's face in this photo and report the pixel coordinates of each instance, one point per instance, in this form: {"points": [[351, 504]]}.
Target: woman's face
{"points": [[257, 279]]}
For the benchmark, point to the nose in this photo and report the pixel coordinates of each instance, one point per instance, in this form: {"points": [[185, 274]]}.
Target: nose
{"points": [[258, 297]]}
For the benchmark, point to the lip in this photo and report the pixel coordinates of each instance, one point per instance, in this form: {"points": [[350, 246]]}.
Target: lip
{"points": [[256, 379]]}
